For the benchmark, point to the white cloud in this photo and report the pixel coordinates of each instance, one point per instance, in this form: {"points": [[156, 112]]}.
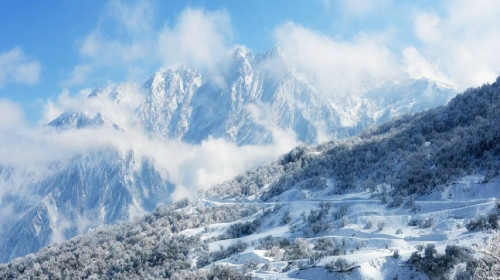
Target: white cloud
{"points": [[338, 67], [135, 18], [427, 27], [12, 114], [79, 74], [104, 51], [418, 67], [127, 40], [190, 167], [123, 41], [454, 42], [16, 68], [462, 43], [198, 167], [198, 39]]}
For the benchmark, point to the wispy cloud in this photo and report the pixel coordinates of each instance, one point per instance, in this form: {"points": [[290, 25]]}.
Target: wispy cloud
{"points": [[78, 75], [338, 67], [451, 41], [461, 42], [418, 67], [126, 38], [119, 110], [122, 39], [198, 39], [190, 167], [12, 114], [16, 68]]}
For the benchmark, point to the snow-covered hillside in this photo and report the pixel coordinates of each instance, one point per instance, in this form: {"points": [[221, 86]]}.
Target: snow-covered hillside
{"points": [[415, 198]]}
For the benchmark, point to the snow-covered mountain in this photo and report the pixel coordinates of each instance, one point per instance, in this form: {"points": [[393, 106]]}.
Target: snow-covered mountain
{"points": [[245, 101], [252, 94], [415, 198], [72, 196]]}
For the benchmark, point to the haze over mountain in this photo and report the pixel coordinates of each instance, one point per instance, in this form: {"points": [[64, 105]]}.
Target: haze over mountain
{"points": [[118, 151]]}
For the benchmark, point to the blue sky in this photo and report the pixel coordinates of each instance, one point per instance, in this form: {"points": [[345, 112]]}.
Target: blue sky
{"points": [[51, 47]]}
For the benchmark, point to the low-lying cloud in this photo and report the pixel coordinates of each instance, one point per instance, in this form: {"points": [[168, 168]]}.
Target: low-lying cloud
{"points": [[12, 114], [190, 167]]}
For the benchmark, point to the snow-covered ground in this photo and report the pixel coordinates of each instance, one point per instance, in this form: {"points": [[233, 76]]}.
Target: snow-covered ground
{"points": [[368, 248]]}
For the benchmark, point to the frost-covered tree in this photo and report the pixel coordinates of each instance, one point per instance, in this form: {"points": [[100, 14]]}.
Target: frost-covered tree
{"points": [[489, 266], [298, 250]]}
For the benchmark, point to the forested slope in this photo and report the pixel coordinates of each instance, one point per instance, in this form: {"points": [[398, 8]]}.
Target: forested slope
{"points": [[411, 155]]}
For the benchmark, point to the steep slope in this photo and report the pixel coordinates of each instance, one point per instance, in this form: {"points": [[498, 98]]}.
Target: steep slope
{"points": [[166, 108], [361, 208], [410, 155], [88, 190]]}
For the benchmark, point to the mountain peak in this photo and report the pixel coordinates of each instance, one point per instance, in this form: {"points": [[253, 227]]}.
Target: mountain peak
{"points": [[242, 59], [273, 53], [96, 92], [240, 51], [79, 120], [68, 120]]}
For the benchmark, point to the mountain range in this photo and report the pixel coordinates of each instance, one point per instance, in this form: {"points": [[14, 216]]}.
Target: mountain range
{"points": [[244, 102], [248, 95], [414, 198]]}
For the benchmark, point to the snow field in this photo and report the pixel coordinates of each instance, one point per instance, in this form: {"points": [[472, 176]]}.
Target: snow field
{"points": [[369, 249]]}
